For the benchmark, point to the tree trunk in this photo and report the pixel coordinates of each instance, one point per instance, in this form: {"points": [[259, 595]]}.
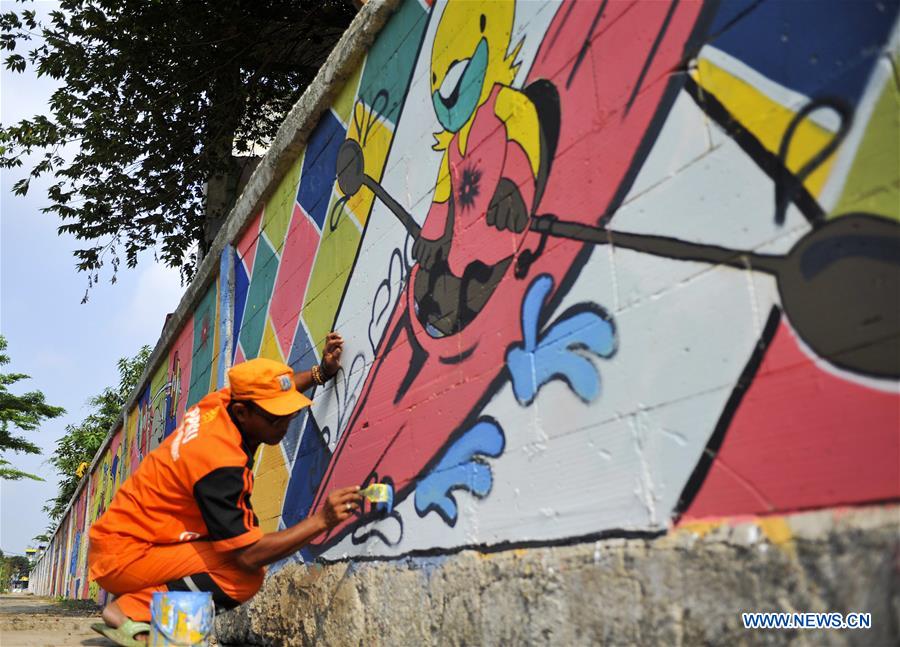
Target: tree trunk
{"points": [[225, 109]]}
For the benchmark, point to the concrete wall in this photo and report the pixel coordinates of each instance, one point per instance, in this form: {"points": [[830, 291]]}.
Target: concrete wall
{"points": [[632, 267]]}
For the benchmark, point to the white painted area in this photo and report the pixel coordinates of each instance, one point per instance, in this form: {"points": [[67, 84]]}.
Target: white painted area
{"points": [[684, 140], [718, 198]]}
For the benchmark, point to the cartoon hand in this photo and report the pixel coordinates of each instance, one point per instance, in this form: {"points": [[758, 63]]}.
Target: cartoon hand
{"points": [[427, 252], [331, 356], [507, 209]]}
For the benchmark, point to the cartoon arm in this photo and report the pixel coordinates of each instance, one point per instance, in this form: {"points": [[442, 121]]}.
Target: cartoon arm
{"points": [[513, 199], [434, 239]]}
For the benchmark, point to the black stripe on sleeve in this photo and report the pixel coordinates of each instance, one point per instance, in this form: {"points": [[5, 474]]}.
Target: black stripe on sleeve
{"points": [[224, 503]]}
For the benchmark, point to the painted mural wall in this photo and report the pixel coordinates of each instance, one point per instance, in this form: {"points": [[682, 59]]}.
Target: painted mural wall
{"points": [[603, 267]]}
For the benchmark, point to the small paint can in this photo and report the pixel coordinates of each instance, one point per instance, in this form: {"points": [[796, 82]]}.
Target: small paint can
{"points": [[183, 618]]}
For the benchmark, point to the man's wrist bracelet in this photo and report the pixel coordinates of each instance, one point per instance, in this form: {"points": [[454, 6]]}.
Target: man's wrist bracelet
{"points": [[317, 375]]}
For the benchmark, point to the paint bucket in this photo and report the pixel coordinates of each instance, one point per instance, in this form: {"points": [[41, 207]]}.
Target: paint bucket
{"points": [[181, 618]]}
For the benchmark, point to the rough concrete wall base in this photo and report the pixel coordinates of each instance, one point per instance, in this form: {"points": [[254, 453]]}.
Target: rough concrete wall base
{"points": [[688, 587]]}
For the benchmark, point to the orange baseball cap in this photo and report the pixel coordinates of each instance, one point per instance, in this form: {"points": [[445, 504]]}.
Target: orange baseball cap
{"points": [[269, 384]]}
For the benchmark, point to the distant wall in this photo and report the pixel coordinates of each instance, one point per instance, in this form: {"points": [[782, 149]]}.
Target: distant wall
{"points": [[649, 278]]}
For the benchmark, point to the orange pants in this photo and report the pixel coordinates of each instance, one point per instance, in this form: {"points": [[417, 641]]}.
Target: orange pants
{"points": [[189, 566]]}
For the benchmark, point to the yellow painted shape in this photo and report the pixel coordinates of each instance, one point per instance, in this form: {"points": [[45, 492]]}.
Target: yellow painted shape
{"points": [[337, 250], [521, 119], [280, 207], [517, 553], [778, 532], [378, 136], [699, 528], [270, 484], [131, 430], [344, 102], [269, 347], [768, 121], [153, 418]]}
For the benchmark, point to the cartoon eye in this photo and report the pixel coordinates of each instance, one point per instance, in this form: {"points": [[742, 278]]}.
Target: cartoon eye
{"points": [[433, 78], [483, 23]]}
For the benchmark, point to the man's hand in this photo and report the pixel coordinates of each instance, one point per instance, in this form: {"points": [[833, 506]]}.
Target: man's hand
{"points": [[331, 356], [340, 505]]}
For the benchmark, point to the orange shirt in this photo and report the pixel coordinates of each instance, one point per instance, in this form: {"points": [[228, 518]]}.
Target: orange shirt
{"points": [[195, 486]]}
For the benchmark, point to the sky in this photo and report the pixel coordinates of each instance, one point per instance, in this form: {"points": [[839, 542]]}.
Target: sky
{"points": [[68, 348]]}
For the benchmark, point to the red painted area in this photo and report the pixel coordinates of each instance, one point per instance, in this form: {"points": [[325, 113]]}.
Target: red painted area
{"points": [[803, 438], [297, 258], [405, 414], [180, 370], [246, 248], [483, 165]]}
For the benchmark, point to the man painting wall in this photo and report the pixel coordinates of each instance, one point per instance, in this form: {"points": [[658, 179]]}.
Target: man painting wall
{"points": [[184, 520]]}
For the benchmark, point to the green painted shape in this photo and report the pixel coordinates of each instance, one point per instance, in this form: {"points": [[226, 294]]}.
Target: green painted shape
{"points": [[280, 207], [253, 323], [873, 183], [343, 105], [204, 346], [390, 62], [330, 273]]}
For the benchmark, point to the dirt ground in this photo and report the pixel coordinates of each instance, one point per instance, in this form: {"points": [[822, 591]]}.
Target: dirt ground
{"points": [[29, 621]]}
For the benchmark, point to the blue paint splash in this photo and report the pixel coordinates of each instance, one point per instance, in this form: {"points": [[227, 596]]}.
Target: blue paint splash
{"points": [[461, 468], [553, 354]]}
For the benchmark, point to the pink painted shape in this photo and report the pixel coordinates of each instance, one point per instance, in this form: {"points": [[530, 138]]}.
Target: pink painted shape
{"points": [[239, 355], [293, 276], [183, 346], [803, 438], [246, 248]]}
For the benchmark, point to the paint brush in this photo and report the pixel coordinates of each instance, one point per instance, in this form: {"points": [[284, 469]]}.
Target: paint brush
{"points": [[381, 495]]}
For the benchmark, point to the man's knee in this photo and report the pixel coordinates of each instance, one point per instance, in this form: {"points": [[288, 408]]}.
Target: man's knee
{"points": [[230, 587]]}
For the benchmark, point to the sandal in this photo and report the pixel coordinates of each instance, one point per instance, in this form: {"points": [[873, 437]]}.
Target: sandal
{"points": [[123, 635]]}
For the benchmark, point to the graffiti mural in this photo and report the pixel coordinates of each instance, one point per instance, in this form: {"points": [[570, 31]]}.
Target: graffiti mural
{"points": [[627, 170], [603, 267]]}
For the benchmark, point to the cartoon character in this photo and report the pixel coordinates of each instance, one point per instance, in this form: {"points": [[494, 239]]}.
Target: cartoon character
{"points": [[486, 280], [496, 154]]}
